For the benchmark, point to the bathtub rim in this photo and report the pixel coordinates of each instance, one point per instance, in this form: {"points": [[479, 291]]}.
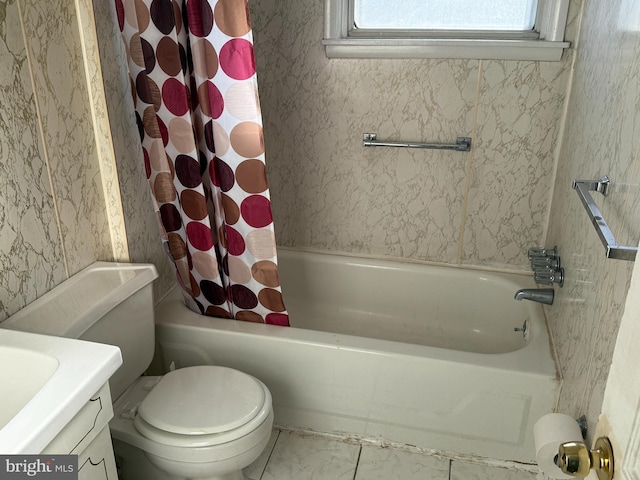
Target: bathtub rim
{"points": [[523, 271], [535, 358]]}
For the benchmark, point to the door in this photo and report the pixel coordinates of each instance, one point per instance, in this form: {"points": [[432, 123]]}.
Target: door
{"points": [[620, 418]]}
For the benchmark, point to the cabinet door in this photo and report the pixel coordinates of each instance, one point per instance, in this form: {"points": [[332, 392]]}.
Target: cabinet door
{"points": [[97, 462], [85, 426]]}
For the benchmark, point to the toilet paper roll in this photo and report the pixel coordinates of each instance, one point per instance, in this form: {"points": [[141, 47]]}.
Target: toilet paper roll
{"points": [[549, 433]]}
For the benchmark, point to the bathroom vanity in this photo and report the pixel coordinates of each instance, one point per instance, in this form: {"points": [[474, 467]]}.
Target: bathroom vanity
{"points": [[87, 435], [55, 398]]}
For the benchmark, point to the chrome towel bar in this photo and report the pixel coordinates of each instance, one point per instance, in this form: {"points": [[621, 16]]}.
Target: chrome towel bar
{"points": [[613, 250], [463, 144]]}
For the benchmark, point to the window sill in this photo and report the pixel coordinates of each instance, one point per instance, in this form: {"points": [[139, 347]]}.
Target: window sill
{"points": [[540, 50]]}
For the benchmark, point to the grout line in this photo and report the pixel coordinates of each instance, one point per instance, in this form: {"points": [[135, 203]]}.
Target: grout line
{"points": [[580, 22], [451, 456], [467, 186], [270, 454], [355, 472], [573, 50], [635, 162], [103, 140], [560, 142]]}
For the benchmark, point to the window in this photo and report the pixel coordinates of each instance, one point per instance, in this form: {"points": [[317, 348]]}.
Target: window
{"points": [[497, 29], [442, 15]]}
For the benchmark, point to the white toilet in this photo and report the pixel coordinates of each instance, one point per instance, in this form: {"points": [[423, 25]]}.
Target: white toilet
{"points": [[202, 422]]}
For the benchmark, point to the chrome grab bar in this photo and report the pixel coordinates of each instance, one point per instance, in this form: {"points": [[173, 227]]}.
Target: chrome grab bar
{"points": [[463, 144], [613, 250]]}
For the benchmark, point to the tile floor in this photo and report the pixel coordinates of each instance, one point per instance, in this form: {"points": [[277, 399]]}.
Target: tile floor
{"points": [[297, 455]]}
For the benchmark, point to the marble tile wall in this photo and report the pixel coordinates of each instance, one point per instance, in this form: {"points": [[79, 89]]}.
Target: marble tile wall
{"points": [[329, 193], [31, 251], [54, 219], [519, 108], [601, 137], [102, 131], [63, 101]]}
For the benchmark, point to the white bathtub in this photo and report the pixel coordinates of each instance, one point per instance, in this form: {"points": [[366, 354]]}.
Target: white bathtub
{"points": [[409, 353]]}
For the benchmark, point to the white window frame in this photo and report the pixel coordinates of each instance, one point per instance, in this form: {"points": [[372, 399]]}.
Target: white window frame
{"points": [[342, 40]]}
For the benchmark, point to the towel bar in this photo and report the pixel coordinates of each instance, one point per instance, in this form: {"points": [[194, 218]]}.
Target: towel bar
{"points": [[463, 144], [613, 250]]}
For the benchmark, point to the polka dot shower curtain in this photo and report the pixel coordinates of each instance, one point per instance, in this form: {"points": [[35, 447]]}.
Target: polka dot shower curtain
{"points": [[193, 80]]}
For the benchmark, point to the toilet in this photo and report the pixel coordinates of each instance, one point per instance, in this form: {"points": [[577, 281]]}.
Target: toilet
{"points": [[199, 422]]}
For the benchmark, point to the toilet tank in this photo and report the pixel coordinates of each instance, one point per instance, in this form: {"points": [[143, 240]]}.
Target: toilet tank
{"points": [[107, 303]]}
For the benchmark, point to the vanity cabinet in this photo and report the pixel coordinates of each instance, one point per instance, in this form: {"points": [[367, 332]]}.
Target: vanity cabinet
{"points": [[87, 435]]}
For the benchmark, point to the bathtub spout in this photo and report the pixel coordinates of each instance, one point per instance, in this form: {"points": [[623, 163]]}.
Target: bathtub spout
{"points": [[540, 295]]}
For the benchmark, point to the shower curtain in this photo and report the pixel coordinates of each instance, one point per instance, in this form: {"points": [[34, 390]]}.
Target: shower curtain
{"points": [[193, 80]]}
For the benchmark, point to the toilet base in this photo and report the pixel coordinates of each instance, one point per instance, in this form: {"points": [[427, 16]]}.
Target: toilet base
{"points": [[231, 476], [133, 464]]}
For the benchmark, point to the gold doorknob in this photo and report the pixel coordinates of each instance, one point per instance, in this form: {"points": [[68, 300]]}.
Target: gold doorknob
{"points": [[574, 458]]}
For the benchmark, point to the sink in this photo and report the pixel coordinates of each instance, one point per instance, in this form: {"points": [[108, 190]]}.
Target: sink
{"points": [[44, 382], [25, 373]]}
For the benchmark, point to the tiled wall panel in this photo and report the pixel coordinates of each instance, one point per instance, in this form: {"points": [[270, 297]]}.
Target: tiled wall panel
{"points": [[31, 255], [601, 137], [53, 212], [329, 193], [55, 53]]}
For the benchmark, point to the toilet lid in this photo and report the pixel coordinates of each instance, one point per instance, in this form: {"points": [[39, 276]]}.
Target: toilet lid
{"points": [[202, 400]]}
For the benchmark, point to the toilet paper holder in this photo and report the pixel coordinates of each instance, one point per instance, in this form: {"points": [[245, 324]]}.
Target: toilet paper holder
{"points": [[575, 458]]}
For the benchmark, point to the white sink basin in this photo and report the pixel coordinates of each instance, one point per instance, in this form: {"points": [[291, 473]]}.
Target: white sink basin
{"points": [[44, 382], [19, 385]]}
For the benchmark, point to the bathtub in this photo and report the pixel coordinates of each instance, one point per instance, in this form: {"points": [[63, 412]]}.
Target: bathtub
{"points": [[399, 352]]}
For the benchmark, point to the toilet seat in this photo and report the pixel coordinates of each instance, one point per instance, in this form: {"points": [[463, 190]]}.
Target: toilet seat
{"points": [[202, 406]]}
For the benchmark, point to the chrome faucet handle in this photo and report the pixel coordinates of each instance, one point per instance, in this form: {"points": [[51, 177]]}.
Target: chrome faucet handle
{"points": [[549, 276], [538, 263], [537, 252], [541, 252]]}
